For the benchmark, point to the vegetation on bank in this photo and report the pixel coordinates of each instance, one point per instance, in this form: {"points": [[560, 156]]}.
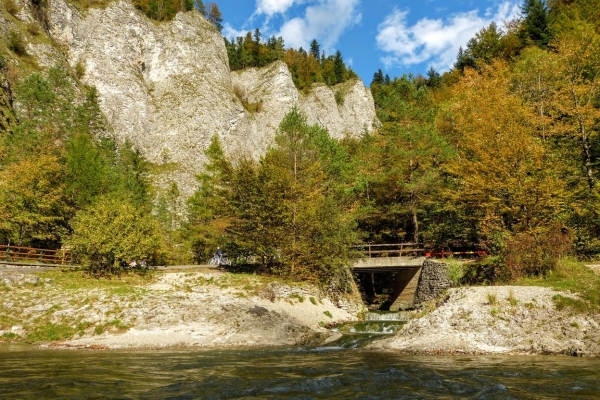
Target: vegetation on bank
{"points": [[67, 304], [500, 153]]}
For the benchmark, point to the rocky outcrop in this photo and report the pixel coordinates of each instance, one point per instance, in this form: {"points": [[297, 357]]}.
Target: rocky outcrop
{"points": [[499, 319], [167, 86]]}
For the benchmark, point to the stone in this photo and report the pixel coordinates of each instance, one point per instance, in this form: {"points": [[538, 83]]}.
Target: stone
{"points": [[167, 87]]}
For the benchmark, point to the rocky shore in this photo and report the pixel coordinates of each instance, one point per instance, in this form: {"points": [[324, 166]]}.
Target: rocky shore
{"points": [[497, 320], [204, 309], [210, 309]]}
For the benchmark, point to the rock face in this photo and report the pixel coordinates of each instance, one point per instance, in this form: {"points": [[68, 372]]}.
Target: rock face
{"points": [[167, 86]]}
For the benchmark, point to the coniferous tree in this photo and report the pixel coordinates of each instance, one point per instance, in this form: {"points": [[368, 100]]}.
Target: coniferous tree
{"points": [[377, 78], [338, 67], [536, 23], [315, 49], [199, 5], [214, 16]]}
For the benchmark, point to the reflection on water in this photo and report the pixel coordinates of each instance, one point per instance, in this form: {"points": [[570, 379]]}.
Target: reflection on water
{"points": [[289, 374]]}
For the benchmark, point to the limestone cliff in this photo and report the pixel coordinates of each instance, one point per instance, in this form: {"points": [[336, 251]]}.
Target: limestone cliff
{"points": [[167, 86]]}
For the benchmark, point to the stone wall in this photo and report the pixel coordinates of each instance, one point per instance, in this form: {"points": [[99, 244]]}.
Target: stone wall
{"points": [[434, 280]]}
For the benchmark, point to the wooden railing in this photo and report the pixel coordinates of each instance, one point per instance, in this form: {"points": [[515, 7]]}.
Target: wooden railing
{"points": [[10, 253], [391, 250]]}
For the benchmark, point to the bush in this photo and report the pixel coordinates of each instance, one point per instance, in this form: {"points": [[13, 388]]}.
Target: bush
{"points": [[16, 43], [456, 270], [535, 253], [3, 63], [34, 28], [11, 7], [339, 97], [488, 270], [110, 233]]}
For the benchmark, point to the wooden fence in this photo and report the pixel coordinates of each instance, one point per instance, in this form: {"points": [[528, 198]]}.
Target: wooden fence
{"points": [[19, 254], [391, 250]]}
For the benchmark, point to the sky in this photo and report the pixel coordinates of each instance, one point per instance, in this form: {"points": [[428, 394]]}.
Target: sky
{"points": [[396, 36]]}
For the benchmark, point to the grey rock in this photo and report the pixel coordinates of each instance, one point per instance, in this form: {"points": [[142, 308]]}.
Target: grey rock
{"points": [[167, 87]]}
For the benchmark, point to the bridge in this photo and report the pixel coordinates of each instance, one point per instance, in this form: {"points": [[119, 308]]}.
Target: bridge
{"points": [[405, 260]]}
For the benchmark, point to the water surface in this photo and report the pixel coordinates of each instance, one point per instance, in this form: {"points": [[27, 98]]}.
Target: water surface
{"points": [[289, 374]]}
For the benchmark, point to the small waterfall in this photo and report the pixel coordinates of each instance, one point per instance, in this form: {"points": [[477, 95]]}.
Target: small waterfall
{"points": [[387, 316], [375, 326]]}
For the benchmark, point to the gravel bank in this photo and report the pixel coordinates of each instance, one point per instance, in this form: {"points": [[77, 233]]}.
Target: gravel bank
{"points": [[499, 319], [203, 309]]}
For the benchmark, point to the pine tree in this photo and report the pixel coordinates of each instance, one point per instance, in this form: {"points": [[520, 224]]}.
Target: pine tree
{"points": [[377, 78], [199, 5], [256, 48], [214, 16], [339, 68], [536, 26], [315, 50]]}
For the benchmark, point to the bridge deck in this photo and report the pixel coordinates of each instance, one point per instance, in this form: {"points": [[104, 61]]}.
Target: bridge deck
{"points": [[387, 264]]}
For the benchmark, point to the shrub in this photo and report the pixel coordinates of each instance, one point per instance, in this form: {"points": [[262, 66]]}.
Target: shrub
{"points": [[488, 270], [254, 107], [535, 253], [34, 28], [3, 63], [16, 43], [456, 270], [111, 232], [79, 70], [339, 97], [11, 7]]}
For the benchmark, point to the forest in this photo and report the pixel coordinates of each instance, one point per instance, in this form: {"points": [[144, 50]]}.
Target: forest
{"points": [[500, 154]]}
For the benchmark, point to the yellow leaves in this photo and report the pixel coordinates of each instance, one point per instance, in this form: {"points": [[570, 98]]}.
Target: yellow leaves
{"points": [[503, 167], [32, 202]]}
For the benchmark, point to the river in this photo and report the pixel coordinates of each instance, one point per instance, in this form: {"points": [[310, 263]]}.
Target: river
{"points": [[297, 373]]}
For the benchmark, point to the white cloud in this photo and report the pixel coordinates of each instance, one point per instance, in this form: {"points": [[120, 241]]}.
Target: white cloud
{"points": [[324, 20], [434, 41], [271, 7], [230, 32]]}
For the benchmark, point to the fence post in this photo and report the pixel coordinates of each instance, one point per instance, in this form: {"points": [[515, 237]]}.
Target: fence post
{"points": [[41, 255], [7, 251]]}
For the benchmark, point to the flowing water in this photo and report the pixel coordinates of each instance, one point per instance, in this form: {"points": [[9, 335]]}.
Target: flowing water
{"points": [[289, 374]]}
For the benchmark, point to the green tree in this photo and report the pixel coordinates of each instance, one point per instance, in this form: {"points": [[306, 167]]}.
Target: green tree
{"points": [[214, 16], [208, 208], [33, 208], [315, 49], [536, 23], [110, 232], [199, 5]]}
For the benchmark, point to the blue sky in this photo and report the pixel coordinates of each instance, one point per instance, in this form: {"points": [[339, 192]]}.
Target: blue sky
{"points": [[398, 36]]}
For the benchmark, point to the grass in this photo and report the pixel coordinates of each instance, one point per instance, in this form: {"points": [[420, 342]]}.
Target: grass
{"points": [[571, 276], [511, 299], [79, 280], [115, 324], [492, 299], [328, 314], [297, 296], [456, 270], [49, 332]]}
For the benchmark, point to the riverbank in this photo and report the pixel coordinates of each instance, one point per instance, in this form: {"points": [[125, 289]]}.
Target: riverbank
{"points": [[202, 308], [500, 320], [207, 308]]}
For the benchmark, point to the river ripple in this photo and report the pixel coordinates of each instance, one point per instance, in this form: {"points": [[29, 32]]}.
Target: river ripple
{"points": [[289, 374]]}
